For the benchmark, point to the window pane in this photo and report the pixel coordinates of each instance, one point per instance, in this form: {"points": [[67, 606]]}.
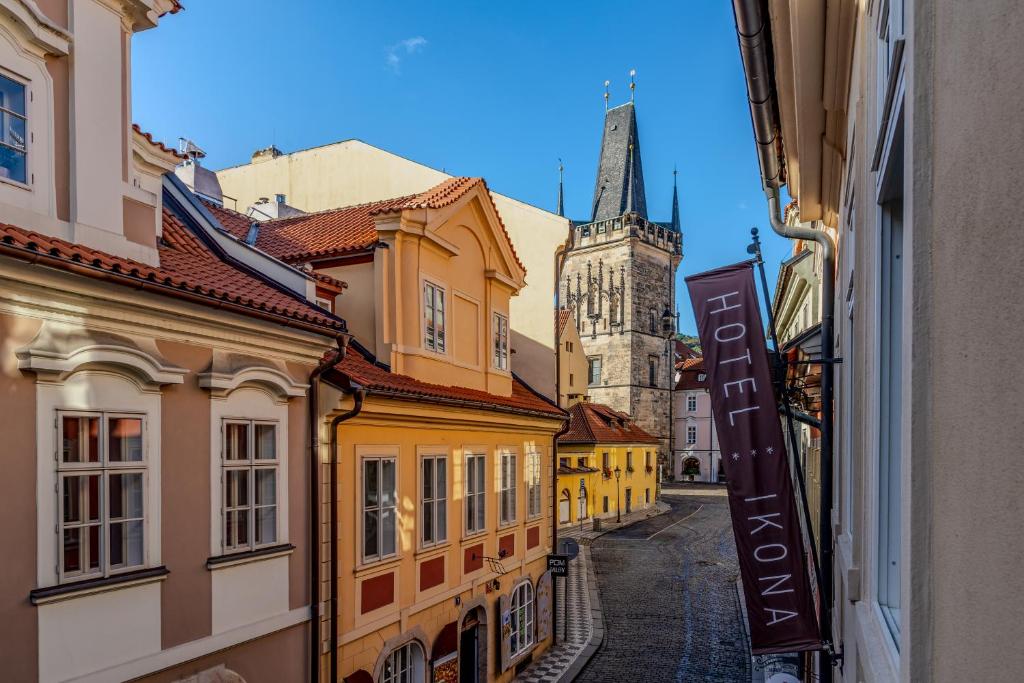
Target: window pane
{"points": [[72, 499], [266, 442], [125, 495], [371, 486], [480, 511], [116, 544], [428, 478], [480, 474], [242, 526], [471, 513], [441, 490], [428, 522], [266, 524], [266, 486], [441, 530], [236, 485], [73, 549], [93, 501], [124, 441], [81, 439], [439, 318], [370, 534], [93, 553], [236, 441], [387, 531], [387, 483], [12, 95], [428, 313]]}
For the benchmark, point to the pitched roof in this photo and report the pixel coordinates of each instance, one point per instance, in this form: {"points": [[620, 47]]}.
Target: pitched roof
{"points": [[598, 423], [361, 368], [156, 143], [346, 230], [690, 371], [188, 269], [620, 174], [564, 316]]}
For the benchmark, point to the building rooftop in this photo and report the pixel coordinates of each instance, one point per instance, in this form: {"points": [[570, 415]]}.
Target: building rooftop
{"points": [[592, 423]]}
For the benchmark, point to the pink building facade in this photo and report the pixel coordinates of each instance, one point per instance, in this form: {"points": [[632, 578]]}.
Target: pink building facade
{"points": [[695, 455]]}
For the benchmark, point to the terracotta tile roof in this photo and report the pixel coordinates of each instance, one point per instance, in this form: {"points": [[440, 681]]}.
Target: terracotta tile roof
{"points": [[360, 367], [690, 371], [156, 143], [597, 423], [337, 232], [564, 315], [188, 269]]}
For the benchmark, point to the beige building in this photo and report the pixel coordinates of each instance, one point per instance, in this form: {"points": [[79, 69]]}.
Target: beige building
{"points": [[154, 383], [898, 126], [353, 172]]}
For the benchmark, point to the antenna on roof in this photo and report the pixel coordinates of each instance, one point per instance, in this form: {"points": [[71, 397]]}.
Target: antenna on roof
{"points": [[606, 84], [632, 84]]}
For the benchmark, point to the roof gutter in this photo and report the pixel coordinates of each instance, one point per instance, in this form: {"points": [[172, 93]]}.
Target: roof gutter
{"points": [[753, 32]]}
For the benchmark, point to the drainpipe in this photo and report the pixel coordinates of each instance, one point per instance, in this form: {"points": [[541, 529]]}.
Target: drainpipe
{"points": [[554, 524], [314, 508], [754, 36], [358, 395]]}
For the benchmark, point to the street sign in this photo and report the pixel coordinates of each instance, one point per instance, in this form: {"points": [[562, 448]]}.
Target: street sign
{"points": [[558, 565], [568, 547]]}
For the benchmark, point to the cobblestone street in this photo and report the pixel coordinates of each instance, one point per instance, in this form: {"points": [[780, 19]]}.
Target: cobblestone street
{"points": [[668, 590]]}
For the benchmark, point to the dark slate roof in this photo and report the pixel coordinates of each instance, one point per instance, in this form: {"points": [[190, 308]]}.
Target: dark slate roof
{"points": [[620, 177]]}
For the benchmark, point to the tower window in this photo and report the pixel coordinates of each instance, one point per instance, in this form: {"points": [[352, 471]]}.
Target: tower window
{"points": [[594, 370]]}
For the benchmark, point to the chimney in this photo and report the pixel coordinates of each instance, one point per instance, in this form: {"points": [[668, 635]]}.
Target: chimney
{"points": [[200, 180], [266, 154], [266, 210]]}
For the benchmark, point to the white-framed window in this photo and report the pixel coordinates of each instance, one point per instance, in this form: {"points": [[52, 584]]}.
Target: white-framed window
{"points": [[101, 470], [325, 303], [379, 503], [13, 130], [500, 341], [476, 488], [629, 461], [594, 370], [691, 434], [521, 611], [249, 477], [433, 317], [507, 490], [533, 484], [404, 665], [691, 403], [434, 499], [701, 376]]}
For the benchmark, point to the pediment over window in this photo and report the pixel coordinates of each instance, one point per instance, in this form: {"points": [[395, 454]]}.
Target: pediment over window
{"points": [[44, 36], [229, 371], [61, 349]]}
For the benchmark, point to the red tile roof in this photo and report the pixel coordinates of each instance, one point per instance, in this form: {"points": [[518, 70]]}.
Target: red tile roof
{"points": [[360, 368], [597, 423], [564, 316], [690, 371], [188, 269], [337, 232], [156, 143]]}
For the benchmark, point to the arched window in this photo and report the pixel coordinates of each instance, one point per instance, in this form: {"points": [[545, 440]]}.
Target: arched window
{"points": [[404, 665], [522, 619]]}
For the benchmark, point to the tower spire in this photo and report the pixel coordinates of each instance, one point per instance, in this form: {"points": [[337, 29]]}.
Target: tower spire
{"points": [[561, 201], [619, 187], [675, 200]]}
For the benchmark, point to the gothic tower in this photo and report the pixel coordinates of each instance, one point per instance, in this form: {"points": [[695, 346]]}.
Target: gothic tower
{"points": [[617, 278]]}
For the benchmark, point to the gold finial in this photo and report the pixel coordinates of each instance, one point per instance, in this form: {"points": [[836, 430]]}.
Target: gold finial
{"points": [[632, 83], [606, 84]]}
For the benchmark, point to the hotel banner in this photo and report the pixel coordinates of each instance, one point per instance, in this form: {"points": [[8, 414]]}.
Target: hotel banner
{"points": [[780, 606]]}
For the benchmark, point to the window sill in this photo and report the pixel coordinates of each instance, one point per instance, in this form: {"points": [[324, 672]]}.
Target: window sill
{"points": [[234, 559], [435, 549], [16, 183], [378, 565], [473, 536], [78, 589]]}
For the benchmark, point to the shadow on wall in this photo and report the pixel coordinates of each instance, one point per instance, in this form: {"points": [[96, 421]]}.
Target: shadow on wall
{"points": [[532, 361]]}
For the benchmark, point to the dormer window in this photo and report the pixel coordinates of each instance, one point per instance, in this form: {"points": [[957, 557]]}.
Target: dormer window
{"points": [[13, 130], [500, 341], [433, 314]]}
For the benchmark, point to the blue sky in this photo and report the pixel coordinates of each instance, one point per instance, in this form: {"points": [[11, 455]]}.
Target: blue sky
{"points": [[501, 90]]}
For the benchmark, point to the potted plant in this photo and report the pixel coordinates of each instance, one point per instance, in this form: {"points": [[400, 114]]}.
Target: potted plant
{"points": [[650, 469], [606, 472], [690, 472]]}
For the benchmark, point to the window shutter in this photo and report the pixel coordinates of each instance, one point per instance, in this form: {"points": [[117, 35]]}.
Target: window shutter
{"points": [[543, 607], [504, 632]]}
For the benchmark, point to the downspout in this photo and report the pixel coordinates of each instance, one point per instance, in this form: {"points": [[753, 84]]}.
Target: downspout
{"points": [[554, 524], [313, 412], [754, 36], [358, 395]]}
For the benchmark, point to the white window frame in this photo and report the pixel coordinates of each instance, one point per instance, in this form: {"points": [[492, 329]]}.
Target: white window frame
{"points": [[591, 362], [499, 335], [534, 484], [436, 503], [691, 403], [431, 340], [508, 478], [103, 468], [250, 465], [522, 610], [411, 670], [475, 517], [380, 509], [691, 434], [5, 111]]}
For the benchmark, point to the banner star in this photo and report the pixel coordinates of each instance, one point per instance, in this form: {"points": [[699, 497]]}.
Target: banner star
{"points": [[753, 452], [769, 450], [735, 456]]}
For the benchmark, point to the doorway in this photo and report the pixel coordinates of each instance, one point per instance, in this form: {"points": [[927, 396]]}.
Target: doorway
{"points": [[469, 652], [563, 507], [629, 500]]}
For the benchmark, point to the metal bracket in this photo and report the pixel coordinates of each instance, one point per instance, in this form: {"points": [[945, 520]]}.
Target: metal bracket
{"points": [[494, 563]]}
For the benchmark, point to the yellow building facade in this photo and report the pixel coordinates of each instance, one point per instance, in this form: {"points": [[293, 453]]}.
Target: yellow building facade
{"points": [[437, 491], [607, 466]]}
